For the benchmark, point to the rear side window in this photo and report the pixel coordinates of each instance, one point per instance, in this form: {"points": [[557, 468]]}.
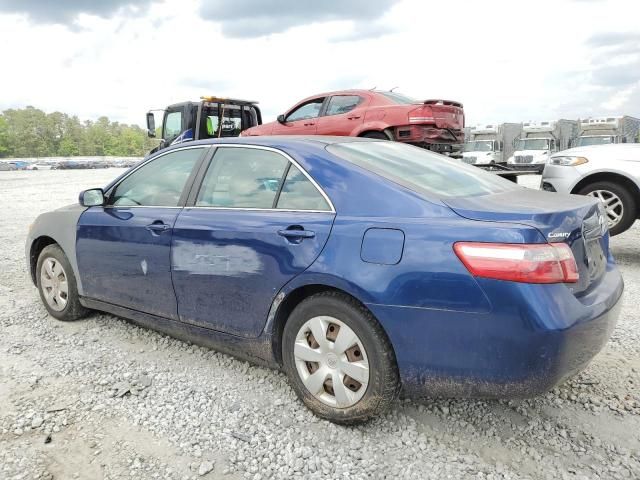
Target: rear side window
{"points": [[420, 170], [242, 178], [298, 193], [342, 104], [158, 183]]}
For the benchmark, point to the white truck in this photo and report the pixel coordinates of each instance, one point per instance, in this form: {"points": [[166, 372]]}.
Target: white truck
{"points": [[490, 144], [539, 140], [606, 130]]}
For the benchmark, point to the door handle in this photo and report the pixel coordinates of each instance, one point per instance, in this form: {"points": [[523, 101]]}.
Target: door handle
{"points": [[309, 124], [353, 117], [158, 227], [296, 233]]}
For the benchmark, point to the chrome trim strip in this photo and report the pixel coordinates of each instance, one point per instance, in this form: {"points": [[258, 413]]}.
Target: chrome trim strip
{"points": [[260, 209], [124, 207]]}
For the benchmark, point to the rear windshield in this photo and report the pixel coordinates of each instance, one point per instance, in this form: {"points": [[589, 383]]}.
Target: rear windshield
{"points": [[421, 170], [399, 98]]}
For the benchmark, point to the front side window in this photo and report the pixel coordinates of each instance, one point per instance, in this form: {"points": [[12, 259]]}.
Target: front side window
{"points": [[173, 125], [342, 104], [307, 111], [242, 178], [420, 170], [298, 193], [158, 183]]}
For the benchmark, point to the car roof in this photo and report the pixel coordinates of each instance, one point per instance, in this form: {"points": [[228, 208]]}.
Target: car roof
{"points": [[275, 141]]}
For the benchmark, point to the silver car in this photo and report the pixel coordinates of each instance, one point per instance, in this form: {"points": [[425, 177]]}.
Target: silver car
{"points": [[610, 173]]}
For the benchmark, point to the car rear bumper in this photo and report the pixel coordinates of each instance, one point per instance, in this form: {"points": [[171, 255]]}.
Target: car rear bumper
{"points": [[535, 337], [428, 134]]}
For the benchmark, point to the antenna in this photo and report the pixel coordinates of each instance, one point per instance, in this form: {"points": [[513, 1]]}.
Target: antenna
{"points": [[372, 89], [393, 89]]}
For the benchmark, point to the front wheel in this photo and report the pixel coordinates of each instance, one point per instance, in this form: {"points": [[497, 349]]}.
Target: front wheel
{"points": [[619, 204], [339, 360], [57, 285]]}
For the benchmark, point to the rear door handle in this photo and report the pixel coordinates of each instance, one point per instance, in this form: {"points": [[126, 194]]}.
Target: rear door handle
{"points": [[158, 227], [353, 117], [309, 124], [295, 234]]}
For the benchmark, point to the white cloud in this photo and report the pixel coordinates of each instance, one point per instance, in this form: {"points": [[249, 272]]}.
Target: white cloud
{"points": [[503, 61]]}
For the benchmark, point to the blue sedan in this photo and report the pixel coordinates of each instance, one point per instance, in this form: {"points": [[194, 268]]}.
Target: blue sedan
{"points": [[362, 268]]}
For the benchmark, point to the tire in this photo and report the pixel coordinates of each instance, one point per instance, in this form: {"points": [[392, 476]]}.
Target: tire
{"points": [[376, 135], [52, 267], [365, 398], [618, 200]]}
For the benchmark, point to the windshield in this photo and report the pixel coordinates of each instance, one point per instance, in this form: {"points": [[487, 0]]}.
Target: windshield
{"points": [[586, 141], [479, 146], [399, 98], [420, 170], [533, 144]]}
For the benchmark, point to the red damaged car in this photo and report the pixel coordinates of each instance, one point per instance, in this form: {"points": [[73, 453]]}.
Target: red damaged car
{"points": [[433, 124]]}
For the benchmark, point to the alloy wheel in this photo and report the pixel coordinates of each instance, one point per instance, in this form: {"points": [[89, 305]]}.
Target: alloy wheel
{"points": [[612, 204]]}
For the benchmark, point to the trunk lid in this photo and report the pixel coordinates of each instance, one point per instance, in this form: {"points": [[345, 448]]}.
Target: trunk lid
{"points": [[575, 220], [444, 113]]}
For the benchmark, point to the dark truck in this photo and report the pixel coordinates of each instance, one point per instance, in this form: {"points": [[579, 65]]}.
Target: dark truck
{"points": [[211, 117]]}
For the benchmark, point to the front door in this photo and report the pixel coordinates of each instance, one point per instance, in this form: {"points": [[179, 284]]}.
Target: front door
{"points": [[302, 120], [256, 223], [124, 248]]}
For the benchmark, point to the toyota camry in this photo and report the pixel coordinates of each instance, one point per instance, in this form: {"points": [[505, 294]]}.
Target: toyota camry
{"points": [[362, 268]]}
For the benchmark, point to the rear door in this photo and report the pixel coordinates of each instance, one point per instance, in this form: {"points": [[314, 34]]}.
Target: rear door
{"points": [[123, 249], [256, 221], [343, 114], [302, 120]]}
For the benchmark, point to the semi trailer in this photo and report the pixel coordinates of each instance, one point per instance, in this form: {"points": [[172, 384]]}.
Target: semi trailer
{"points": [[608, 130], [539, 140], [490, 144]]}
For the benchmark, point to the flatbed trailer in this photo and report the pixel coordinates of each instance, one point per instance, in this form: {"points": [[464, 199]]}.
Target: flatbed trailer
{"points": [[508, 172]]}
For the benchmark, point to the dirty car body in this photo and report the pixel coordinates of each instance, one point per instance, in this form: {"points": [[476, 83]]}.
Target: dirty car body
{"points": [[227, 275]]}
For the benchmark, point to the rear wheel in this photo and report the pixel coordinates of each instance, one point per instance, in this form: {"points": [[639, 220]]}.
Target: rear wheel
{"points": [[376, 135], [339, 360], [57, 285], [618, 202]]}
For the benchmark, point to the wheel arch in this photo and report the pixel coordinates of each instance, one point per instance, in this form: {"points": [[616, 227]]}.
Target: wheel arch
{"points": [[383, 130], [37, 245], [607, 177], [287, 302]]}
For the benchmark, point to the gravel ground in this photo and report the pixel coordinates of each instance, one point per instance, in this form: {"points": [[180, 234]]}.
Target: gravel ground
{"points": [[102, 398]]}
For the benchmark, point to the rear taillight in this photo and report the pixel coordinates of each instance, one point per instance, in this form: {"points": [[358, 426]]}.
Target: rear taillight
{"points": [[421, 114], [527, 263]]}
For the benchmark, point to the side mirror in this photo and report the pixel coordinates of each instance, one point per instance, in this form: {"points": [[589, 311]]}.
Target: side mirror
{"points": [[94, 197], [281, 119], [151, 125]]}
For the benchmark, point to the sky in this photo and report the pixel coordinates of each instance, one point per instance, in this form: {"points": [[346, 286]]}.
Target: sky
{"points": [[504, 60]]}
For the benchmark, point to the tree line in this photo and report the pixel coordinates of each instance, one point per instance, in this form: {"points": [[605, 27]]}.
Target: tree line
{"points": [[30, 132]]}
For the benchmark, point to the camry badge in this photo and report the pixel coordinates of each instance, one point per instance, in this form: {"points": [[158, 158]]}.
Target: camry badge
{"points": [[559, 235]]}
